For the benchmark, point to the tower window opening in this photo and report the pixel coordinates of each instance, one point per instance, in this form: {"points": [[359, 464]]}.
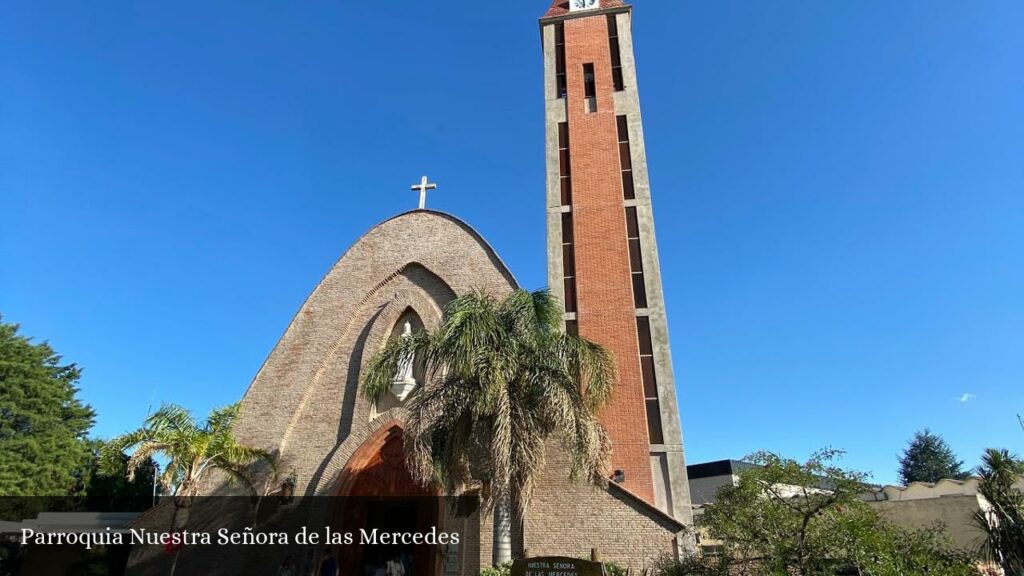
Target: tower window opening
{"points": [[568, 263], [590, 87], [564, 166], [636, 258], [625, 159], [613, 42], [572, 328], [560, 81], [650, 380]]}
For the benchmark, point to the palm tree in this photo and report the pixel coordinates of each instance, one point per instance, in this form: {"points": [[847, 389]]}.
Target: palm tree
{"points": [[1003, 522], [192, 451], [502, 379]]}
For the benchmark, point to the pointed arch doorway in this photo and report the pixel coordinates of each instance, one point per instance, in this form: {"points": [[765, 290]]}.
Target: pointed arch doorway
{"points": [[377, 492]]}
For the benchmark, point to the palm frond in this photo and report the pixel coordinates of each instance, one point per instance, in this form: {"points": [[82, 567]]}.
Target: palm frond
{"points": [[191, 451], [222, 419], [171, 417], [127, 441], [1002, 521], [141, 456]]}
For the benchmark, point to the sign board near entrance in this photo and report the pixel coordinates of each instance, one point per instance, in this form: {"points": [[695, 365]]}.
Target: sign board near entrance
{"points": [[556, 566]]}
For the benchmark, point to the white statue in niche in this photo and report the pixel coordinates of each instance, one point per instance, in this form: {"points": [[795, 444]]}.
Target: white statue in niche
{"points": [[405, 381]]}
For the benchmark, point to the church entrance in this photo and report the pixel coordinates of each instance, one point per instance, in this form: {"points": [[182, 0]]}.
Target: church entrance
{"points": [[379, 499], [390, 517]]}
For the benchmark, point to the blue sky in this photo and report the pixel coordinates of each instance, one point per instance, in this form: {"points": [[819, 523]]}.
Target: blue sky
{"points": [[838, 188]]}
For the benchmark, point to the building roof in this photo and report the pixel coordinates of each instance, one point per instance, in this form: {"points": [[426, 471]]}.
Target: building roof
{"points": [[718, 468], [561, 7], [612, 487]]}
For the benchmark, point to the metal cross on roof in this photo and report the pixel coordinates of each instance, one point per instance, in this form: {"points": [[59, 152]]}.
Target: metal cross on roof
{"points": [[423, 186]]}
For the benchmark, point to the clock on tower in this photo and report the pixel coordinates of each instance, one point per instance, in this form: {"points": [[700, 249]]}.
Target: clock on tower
{"points": [[575, 5]]}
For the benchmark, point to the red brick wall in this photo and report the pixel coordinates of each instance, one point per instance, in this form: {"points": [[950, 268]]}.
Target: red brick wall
{"points": [[605, 298]]}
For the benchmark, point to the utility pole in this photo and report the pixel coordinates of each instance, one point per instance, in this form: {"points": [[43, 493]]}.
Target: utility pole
{"points": [[156, 476]]}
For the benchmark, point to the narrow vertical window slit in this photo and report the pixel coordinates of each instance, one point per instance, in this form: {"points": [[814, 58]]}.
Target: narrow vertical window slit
{"points": [[564, 164], [650, 380], [568, 263], [613, 41], [636, 258], [625, 158], [560, 81]]}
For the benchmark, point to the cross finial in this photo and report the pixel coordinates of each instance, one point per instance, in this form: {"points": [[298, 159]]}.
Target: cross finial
{"points": [[423, 186]]}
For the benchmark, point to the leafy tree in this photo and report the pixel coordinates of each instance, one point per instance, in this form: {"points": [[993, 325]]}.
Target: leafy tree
{"points": [[888, 550], [193, 452], [927, 458], [43, 425], [788, 517], [104, 486], [791, 515], [1003, 524], [502, 379]]}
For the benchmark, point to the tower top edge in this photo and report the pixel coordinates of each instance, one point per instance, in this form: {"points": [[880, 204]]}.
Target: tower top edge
{"points": [[559, 11]]}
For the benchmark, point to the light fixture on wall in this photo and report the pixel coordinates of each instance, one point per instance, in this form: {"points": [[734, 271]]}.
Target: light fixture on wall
{"points": [[288, 488]]}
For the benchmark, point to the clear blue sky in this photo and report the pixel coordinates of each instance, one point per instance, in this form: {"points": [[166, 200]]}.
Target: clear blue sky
{"points": [[838, 187]]}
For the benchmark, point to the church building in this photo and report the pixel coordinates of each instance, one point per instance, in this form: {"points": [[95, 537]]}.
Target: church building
{"points": [[305, 403]]}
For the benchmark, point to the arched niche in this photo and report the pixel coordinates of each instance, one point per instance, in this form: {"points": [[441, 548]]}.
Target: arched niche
{"points": [[409, 321]]}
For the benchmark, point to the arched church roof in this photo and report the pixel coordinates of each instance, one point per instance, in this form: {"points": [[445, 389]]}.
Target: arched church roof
{"points": [[305, 398]]}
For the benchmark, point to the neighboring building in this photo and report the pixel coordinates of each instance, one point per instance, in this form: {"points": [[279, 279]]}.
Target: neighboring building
{"points": [[707, 478], [305, 402], [951, 504]]}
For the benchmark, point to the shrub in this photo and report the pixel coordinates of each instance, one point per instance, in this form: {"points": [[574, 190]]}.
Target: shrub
{"points": [[502, 570], [613, 569], [689, 566]]}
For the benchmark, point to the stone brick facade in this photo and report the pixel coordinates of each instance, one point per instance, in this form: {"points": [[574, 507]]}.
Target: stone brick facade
{"points": [[571, 519], [305, 406]]}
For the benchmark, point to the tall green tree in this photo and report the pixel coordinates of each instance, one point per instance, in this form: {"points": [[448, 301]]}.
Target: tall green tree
{"points": [[43, 424], [1003, 523], [927, 458], [502, 379], [103, 484], [795, 517]]}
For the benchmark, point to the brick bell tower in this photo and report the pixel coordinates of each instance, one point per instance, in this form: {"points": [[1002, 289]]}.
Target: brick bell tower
{"points": [[602, 254]]}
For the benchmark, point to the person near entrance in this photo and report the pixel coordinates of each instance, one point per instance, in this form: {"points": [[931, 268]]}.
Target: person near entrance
{"points": [[395, 567]]}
